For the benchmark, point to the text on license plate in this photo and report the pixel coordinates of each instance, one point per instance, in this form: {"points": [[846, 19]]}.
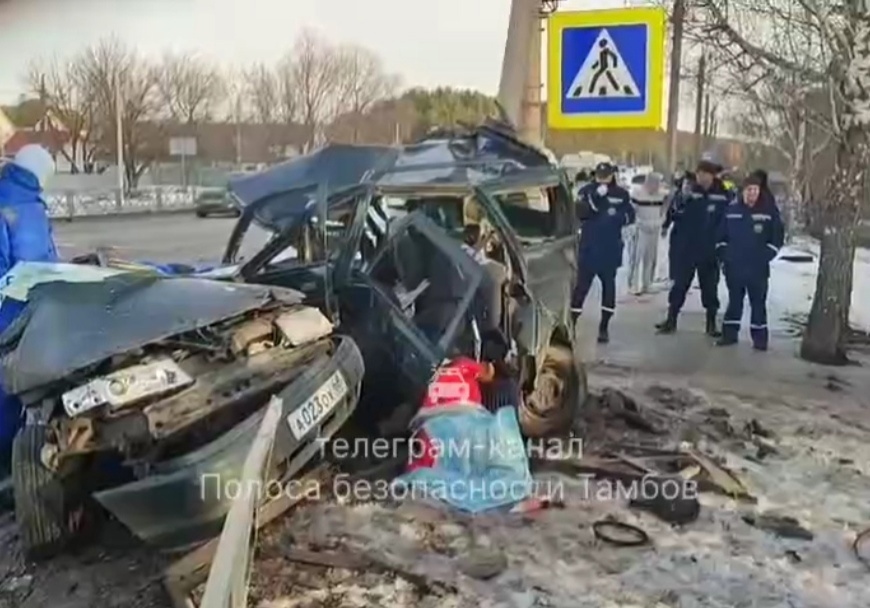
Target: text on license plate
{"points": [[318, 406]]}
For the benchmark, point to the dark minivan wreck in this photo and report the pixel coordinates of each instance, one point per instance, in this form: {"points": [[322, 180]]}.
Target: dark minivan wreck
{"points": [[426, 251]]}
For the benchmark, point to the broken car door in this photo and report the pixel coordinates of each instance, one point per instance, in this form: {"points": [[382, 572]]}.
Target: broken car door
{"points": [[424, 284]]}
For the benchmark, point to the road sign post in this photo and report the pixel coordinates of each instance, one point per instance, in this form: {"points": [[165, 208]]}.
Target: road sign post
{"points": [[606, 69], [184, 147]]}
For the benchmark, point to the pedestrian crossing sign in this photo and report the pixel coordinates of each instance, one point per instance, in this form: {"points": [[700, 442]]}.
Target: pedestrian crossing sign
{"points": [[606, 69]]}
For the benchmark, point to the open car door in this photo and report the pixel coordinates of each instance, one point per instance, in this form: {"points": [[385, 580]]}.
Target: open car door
{"points": [[423, 288]]}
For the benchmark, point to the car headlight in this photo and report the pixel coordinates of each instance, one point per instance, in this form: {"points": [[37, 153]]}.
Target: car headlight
{"points": [[127, 386]]}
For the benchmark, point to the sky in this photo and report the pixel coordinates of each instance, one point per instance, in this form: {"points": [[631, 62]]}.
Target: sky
{"points": [[428, 43]]}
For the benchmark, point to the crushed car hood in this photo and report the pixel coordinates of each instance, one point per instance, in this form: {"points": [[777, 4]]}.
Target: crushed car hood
{"points": [[285, 193], [67, 326]]}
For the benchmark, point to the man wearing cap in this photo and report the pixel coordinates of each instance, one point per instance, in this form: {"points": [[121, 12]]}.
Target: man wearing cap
{"points": [[695, 215], [750, 236], [25, 236], [648, 200], [604, 209]]}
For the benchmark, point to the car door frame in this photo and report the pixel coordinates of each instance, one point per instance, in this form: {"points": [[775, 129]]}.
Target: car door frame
{"points": [[432, 353]]}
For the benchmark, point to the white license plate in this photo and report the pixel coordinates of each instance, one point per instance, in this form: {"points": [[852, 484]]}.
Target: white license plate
{"points": [[318, 406]]}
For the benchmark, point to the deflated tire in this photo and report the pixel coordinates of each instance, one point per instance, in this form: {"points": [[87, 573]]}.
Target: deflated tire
{"points": [[42, 509]]}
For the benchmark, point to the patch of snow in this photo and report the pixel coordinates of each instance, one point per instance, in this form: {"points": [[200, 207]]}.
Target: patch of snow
{"points": [[792, 285]]}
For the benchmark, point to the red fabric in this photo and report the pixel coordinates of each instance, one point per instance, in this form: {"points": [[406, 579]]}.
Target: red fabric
{"points": [[423, 454], [456, 383]]}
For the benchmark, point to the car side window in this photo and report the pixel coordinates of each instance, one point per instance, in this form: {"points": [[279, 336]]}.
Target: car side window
{"points": [[529, 213]]}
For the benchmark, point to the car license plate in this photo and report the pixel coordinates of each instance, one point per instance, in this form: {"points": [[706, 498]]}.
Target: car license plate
{"points": [[318, 406]]}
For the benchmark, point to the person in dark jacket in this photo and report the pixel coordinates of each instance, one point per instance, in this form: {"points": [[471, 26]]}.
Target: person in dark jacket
{"points": [[695, 215], [750, 236], [25, 236], [604, 209]]}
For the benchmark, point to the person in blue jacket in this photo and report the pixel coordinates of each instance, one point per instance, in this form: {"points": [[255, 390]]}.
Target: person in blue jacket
{"points": [[604, 209], [750, 236], [25, 236], [695, 215]]}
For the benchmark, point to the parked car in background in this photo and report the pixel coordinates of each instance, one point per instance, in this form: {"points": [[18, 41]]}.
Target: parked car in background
{"points": [[216, 201]]}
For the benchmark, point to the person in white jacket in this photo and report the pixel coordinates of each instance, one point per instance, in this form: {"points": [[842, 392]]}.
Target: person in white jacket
{"points": [[648, 200]]}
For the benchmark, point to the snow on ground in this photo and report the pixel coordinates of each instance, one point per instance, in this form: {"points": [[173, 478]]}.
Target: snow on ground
{"points": [[793, 284], [818, 475]]}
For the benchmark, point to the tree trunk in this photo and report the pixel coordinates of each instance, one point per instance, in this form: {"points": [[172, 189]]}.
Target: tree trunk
{"points": [[826, 335]]}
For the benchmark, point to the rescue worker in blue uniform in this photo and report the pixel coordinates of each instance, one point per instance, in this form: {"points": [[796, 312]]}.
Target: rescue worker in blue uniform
{"points": [[25, 236], [604, 209], [750, 237], [695, 215], [682, 185]]}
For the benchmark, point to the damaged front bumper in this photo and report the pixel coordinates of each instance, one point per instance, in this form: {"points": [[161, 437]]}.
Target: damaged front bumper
{"points": [[184, 501]]}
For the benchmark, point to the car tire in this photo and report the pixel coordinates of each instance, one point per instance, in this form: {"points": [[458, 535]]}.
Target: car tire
{"points": [[553, 405], [200, 214], [41, 505]]}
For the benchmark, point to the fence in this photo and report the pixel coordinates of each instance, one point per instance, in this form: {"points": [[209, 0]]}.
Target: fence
{"points": [[154, 199], [227, 584]]}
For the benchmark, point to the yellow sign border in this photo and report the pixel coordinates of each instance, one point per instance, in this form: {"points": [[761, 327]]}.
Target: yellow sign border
{"points": [[655, 19]]}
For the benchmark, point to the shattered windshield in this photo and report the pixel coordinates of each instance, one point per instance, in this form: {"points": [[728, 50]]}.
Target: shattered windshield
{"points": [[305, 243]]}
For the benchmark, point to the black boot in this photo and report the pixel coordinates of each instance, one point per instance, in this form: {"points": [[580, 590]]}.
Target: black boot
{"points": [[712, 330], [669, 325], [728, 337], [603, 333]]}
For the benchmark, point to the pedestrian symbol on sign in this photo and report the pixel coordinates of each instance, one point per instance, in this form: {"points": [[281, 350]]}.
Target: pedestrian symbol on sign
{"points": [[603, 73]]}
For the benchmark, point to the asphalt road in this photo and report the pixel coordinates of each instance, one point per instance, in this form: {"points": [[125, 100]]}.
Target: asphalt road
{"points": [[177, 237]]}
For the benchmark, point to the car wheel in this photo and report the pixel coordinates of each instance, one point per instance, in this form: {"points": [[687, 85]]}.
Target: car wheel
{"points": [[559, 392], [42, 509], [200, 214]]}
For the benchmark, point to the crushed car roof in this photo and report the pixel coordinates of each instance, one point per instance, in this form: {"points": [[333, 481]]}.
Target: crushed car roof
{"points": [[68, 326], [443, 158]]}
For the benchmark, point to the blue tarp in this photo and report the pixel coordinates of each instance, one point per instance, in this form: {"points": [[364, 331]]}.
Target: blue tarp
{"points": [[481, 464]]}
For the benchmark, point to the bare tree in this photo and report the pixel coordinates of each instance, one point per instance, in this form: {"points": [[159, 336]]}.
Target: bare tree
{"points": [[262, 92], [64, 91], [824, 46], [316, 74], [287, 92], [362, 82], [189, 87], [793, 120], [113, 71]]}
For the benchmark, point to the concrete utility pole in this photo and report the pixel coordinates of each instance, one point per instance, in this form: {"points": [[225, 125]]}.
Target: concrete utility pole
{"points": [[699, 103], [523, 30], [678, 21]]}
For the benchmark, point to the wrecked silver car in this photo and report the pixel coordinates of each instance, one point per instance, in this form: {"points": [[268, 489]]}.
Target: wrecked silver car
{"points": [[138, 387]]}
